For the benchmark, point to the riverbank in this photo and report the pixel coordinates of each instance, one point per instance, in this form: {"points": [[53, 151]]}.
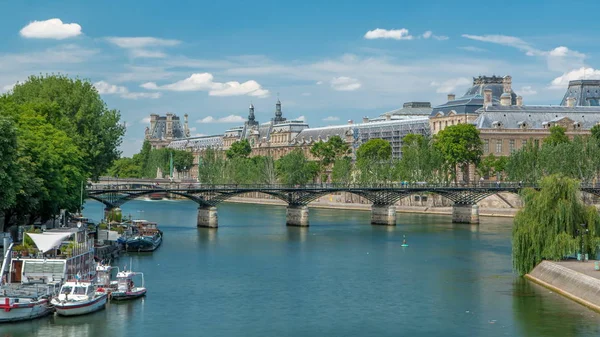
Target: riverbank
{"points": [[489, 212], [576, 280]]}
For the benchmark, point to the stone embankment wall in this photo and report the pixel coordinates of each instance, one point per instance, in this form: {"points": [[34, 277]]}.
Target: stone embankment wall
{"points": [[568, 282]]}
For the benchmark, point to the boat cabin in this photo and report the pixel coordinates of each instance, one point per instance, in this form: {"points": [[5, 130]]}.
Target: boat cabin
{"points": [[125, 280], [76, 291], [56, 255]]}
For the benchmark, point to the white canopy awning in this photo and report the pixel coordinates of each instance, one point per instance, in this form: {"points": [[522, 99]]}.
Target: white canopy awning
{"points": [[48, 241]]}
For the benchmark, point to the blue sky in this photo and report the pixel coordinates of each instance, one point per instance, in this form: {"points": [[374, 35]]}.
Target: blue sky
{"points": [[328, 61]]}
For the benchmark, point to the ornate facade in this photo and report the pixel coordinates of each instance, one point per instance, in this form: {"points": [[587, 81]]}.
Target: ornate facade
{"points": [[164, 129]]}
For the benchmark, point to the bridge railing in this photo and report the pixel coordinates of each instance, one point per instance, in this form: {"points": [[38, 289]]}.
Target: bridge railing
{"points": [[387, 185]]}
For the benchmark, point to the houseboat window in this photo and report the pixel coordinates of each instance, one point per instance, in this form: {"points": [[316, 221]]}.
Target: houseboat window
{"points": [[80, 291], [66, 290]]}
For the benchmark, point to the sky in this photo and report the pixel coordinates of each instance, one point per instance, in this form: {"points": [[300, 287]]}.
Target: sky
{"points": [[327, 61]]}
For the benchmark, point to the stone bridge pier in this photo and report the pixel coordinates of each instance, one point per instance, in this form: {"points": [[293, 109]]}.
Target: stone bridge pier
{"points": [[383, 215], [207, 216], [296, 215], [465, 213]]}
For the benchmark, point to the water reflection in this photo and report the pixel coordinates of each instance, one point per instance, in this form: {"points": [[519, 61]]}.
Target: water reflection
{"points": [[540, 312], [296, 234]]}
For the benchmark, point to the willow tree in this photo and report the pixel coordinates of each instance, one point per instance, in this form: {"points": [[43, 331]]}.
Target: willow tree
{"points": [[550, 224]]}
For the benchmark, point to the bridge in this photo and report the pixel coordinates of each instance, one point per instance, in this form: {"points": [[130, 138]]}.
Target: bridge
{"points": [[382, 196]]}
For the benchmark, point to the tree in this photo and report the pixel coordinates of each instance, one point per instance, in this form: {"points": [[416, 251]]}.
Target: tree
{"points": [[460, 146], [239, 149], [75, 107], [211, 167], [8, 170], [374, 150], [328, 152], [142, 159], [342, 171], [595, 130], [557, 136], [295, 169], [548, 225], [492, 165], [420, 160], [182, 160], [125, 168]]}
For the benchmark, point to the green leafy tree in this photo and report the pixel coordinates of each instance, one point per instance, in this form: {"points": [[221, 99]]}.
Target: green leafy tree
{"points": [[239, 149], [492, 165], [125, 168], [374, 150], [374, 162], [460, 146], [182, 160], [327, 152], [75, 107], [557, 136], [295, 169], [9, 185], [525, 164], [548, 225], [595, 130], [342, 171], [212, 167], [421, 161], [143, 158]]}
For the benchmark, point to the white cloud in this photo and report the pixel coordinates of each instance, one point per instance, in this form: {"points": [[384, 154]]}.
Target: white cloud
{"points": [[527, 90], [192, 129], [50, 29], [141, 42], [300, 118], [105, 88], [205, 82], [504, 40], [331, 119], [429, 34], [450, 86], [562, 82], [7, 88], [145, 120], [143, 47], [473, 49], [228, 119], [396, 34], [344, 83], [319, 82], [563, 59], [306, 94]]}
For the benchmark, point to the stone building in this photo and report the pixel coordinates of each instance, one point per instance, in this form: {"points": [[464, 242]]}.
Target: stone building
{"points": [[164, 129]]}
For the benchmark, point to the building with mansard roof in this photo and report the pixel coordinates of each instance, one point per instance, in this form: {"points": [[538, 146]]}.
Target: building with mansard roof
{"points": [[165, 129]]}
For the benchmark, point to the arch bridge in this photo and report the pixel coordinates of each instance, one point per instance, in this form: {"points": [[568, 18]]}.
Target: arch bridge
{"points": [[382, 196]]}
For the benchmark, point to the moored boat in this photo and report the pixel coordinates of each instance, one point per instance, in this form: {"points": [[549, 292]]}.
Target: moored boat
{"points": [[79, 298], [146, 237], [103, 277], [31, 277], [126, 289]]}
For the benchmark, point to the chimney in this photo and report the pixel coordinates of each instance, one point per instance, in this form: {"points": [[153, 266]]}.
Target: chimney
{"points": [[388, 117], [571, 102], [487, 98], [505, 99], [153, 119], [365, 119], [451, 97], [519, 100], [350, 122], [507, 83]]}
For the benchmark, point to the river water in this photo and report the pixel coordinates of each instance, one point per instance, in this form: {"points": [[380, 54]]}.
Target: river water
{"points": [[340, 277]]}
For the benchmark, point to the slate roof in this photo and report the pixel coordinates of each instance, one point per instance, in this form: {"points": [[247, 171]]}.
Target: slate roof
{"points": [[411, 109], [535, 116], [586, 93], [473, 98], [197, 143], [160, 128]]}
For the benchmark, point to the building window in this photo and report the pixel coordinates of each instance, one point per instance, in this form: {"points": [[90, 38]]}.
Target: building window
{"points": [[511, 145], [499, 146], [486, 146], [523, 143], [536, 143]]}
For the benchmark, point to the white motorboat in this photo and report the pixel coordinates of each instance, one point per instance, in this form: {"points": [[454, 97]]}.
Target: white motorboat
{"points": [[79, 298], [126, 289], [23, 304]]}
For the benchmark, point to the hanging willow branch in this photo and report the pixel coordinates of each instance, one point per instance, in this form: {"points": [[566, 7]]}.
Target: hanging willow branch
{"points": [[547, 226]]}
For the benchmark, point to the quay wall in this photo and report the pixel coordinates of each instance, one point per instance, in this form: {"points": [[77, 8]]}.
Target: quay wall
{"points": [[572, 284]]}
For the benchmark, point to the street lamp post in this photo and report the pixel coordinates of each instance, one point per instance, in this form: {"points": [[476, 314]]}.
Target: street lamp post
{"points": [[582, 232]]}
